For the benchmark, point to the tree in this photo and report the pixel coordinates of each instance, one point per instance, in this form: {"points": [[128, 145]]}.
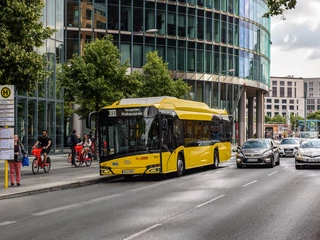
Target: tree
{"points": [[294, 121], [314, 115], [97, 78], [267, 119], [157, 81], [20, 32], [278, 119], [278, 7]]}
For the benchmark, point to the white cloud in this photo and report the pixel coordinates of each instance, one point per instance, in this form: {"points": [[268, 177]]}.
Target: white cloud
{"points": [[296, 41]]}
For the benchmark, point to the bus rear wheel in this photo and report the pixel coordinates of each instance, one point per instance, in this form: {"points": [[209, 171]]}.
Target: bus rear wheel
{"points": [[180, 165]]}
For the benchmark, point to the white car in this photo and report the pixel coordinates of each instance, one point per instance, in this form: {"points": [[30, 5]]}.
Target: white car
{"points": [[287, 147], [308, 154]]}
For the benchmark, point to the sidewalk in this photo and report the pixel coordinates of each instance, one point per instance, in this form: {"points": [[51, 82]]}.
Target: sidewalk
{"points": [[61, 176]]}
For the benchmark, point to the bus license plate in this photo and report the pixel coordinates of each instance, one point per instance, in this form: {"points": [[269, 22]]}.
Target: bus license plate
{"points": [[127, 171], [252, 160]]}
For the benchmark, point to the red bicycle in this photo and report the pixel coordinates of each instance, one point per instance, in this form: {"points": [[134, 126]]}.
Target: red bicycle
{"points": [[37, 162], [80, 159]]}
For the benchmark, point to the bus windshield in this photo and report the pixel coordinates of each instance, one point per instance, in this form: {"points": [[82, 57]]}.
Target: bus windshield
{"points": [[129, 135]]}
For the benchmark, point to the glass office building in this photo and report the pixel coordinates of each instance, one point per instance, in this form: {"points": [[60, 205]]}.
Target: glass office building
{"points": [[43, 109], [216, 46]]}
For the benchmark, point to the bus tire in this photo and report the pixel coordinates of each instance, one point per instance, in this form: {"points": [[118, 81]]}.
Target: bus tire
{"points": [[180, 165], [215, 164]]}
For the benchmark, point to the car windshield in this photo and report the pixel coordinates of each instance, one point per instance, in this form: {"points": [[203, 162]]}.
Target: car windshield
{"points": [[256, 144], [310, 144], [290, 141]]}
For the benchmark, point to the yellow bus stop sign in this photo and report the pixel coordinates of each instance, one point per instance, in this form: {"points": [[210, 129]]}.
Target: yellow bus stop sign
{"points": [[5, 92]]}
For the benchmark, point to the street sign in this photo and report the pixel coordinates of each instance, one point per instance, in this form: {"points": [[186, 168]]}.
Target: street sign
{"points": [[6, 122]]}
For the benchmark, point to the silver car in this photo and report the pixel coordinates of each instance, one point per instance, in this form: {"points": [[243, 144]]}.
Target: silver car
{"points": [[308, 153], [258, 151], [287, 146]]}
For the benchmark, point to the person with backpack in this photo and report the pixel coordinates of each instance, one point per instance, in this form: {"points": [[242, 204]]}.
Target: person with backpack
{"points": [[73, 143]]}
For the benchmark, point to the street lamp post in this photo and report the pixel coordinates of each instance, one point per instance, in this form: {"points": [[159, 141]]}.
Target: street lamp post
{"points": [[227, 71], [136, 33]]}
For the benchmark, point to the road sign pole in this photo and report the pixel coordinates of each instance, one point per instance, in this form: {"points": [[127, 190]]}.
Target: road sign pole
{"points": [[6, 175]]}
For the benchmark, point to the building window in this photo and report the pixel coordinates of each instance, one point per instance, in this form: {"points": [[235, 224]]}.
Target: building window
{"points": [[297, 107], [310, 101], [318, 107], [289, 84], [276, 101], [289, 92], [270, 100], [269, 114], [292, 101], [297, 101], [276, 107], [281, 91], [281, 83], [284, 107], [310, 107], [284, 100], [274, 91], [291, 107], [274, 82], [269, 107], [284, 114]]}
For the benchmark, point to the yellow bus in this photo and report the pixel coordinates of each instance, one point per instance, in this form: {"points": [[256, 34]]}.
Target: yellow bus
{"points": [[160, 135]]}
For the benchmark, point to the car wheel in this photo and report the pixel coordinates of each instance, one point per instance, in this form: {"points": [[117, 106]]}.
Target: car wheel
{"points": [[271, 165], [180, 165], [278, 162]]}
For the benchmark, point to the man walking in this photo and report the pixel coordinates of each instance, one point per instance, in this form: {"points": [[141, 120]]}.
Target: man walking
{"points": [[74, 141]]}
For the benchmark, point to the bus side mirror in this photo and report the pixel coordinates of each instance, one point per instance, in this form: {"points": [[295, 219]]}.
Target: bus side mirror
{"points": [[164, 124], [88, 120]]}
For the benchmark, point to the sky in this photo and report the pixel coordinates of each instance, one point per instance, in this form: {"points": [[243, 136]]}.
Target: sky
{"points": [[295, 48]]}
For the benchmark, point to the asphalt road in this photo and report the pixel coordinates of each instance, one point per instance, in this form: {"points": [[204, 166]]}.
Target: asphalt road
{"points": [[227, 203]]}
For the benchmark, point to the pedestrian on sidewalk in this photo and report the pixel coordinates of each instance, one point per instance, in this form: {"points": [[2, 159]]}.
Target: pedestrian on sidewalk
{"points": [[15, 164], [74, 141]]}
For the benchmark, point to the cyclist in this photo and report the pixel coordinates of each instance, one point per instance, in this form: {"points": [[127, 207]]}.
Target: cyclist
{"points": [[45, 142], [86, 143]]}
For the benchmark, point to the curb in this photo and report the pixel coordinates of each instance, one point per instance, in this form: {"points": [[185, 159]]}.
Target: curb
{"points": [[66, 186]]}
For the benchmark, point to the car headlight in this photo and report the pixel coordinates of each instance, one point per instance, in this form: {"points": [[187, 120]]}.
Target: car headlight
{"points": [[299, 154], [280, 148], [267, 154], [240, 154]]}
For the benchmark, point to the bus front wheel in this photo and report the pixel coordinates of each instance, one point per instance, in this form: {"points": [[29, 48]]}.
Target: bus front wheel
{"points": [[180, 165], [215, 159]]}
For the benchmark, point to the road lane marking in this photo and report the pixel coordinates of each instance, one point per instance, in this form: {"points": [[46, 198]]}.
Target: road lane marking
{"points": [[56, 209], [272, 173], [7, 223], [210, 201], [101, 199], [142, 232], [250, 183]]}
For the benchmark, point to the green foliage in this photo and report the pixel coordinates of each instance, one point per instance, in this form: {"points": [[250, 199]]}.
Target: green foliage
{"points": [[278, 7], [294, 120], [157, 81], [278, 119], [97, 78], [267, 119], [20, 32], [314, 115]]}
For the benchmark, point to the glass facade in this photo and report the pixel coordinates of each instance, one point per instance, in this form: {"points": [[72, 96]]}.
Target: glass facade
{"points": [[203, 38], [43, 109]]}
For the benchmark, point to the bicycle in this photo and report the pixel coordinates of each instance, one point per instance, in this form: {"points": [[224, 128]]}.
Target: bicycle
{"points": [[37, 162], [80, 159]]}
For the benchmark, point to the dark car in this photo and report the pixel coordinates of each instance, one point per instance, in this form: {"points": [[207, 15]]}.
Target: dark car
{"points": [[258, 151]]}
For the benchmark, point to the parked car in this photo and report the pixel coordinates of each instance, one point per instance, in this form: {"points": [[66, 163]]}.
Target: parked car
{"points": [[308, 153], [287, 146], [258, 151]]}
